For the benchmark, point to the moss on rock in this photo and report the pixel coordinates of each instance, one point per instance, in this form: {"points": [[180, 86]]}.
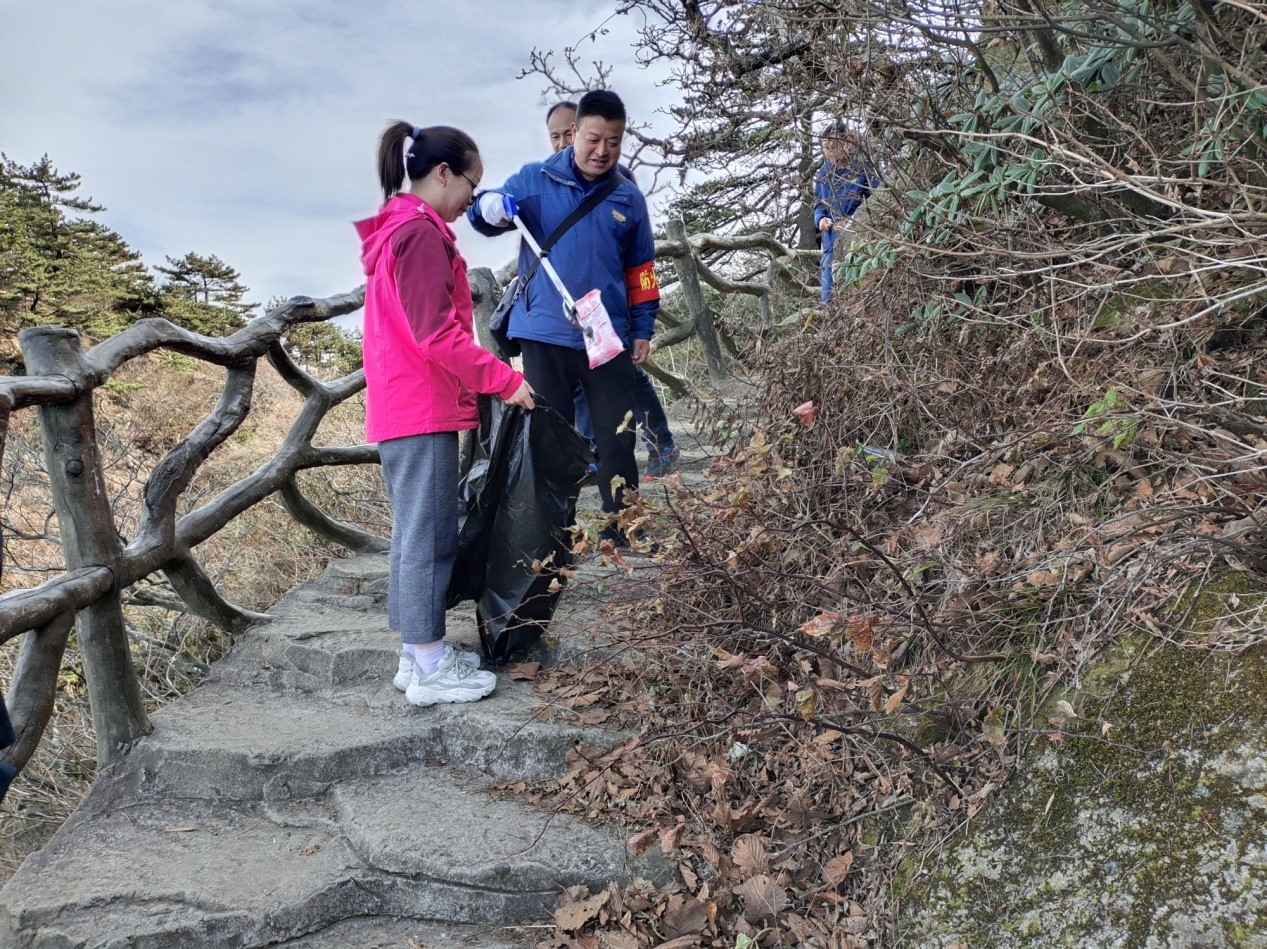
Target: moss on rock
{"points": [[1145, 827]]}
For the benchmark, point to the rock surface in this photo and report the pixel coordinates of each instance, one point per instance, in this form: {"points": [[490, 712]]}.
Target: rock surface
{"points": [[1150, 832]]}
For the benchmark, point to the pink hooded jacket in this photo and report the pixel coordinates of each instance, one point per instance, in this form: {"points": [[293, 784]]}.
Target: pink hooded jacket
{"points": [[423, 367]]}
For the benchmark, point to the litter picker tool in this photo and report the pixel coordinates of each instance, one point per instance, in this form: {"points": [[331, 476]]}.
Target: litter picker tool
{"points": [[602, 344]]}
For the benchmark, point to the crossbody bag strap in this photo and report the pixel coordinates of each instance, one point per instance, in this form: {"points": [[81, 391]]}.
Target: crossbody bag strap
{"points": [[582, 209]]}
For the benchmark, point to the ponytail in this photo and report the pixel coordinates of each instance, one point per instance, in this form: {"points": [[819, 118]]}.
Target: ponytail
{"points": [[409, 150]]}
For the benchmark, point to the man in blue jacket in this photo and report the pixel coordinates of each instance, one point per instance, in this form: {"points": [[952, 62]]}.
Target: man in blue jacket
{"points": [[657, 438], [610, 250], [844, 181]]}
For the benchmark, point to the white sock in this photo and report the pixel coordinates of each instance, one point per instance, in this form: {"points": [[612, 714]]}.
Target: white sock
{"points": [[427, 656]]}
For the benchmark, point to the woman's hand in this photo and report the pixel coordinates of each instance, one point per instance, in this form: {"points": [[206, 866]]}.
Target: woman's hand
{"points": [[522, 397]]}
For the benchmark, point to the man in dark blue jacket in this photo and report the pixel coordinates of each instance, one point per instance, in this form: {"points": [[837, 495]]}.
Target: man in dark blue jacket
{"points": [[844, 181], [657, 438], [610, 250]]}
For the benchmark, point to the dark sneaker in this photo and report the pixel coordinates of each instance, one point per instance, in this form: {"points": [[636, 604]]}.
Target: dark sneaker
{"points": [[660, 464]]}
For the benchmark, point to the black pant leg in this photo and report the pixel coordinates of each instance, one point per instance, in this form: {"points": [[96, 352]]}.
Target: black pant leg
{"points": [[609, 392], [553, 372]]}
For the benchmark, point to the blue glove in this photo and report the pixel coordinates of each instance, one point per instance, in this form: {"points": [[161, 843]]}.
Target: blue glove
{"points": [[498, 209]]}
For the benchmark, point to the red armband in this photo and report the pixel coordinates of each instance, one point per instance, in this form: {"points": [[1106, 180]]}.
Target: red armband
{"points": [[641, 284]]}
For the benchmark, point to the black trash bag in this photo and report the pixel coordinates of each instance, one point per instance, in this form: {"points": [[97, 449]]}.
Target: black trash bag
{"points": [[518, 499], [7, 738]]}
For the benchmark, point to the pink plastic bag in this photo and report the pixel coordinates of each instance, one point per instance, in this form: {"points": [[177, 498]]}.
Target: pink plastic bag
{"points": [[602, 345]]}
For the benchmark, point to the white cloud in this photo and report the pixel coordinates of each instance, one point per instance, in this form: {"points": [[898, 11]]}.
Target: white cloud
{"points": [[248, 130]]}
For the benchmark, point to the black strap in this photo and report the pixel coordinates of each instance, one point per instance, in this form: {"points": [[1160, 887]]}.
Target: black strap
{"points": [[585, 207]]}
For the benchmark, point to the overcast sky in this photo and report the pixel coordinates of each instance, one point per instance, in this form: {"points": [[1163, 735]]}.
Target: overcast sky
{"points": [[248, 128]]}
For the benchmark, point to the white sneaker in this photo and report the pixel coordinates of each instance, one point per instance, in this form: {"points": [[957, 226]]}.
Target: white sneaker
{"points": [[405, 668], [456, 680]]}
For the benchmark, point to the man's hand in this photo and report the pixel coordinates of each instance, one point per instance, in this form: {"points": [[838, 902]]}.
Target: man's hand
{"points": [[641, 350], [824, 225], [523, 397], [498, 209]]}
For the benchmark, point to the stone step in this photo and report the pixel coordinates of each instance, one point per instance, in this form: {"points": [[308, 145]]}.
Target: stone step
{"points": [[301, 770], [245, 744], [511, 858], [424, 844]]}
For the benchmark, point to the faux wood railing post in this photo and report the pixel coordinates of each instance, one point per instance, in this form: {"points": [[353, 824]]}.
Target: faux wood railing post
{"points": [[89, 539], [701, 315]]}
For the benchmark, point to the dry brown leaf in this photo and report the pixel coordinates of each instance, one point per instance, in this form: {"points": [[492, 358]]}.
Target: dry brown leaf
{"points": [[523, 671], [577, 911], [309, 851], [617, 940], [640, 842], [891, 704], [837, 868], [670, 837], [710, 853], [685, 916], [824, 624], [749, 855], [861, 632], [688, 876], [763, 898], [807, 412]]}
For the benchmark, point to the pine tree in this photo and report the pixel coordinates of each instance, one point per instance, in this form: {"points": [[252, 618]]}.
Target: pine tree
{"points": [[204, 294], [325, 349], [56, 264]]}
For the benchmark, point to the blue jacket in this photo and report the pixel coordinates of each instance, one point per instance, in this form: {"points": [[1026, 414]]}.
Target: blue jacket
{"points": [[611, 250], [840, 189]]}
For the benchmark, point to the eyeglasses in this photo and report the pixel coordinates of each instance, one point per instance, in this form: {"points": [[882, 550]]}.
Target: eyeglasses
{"points": [[474, 185]]}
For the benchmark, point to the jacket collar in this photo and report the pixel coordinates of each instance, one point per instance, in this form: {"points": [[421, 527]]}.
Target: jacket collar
{"points": [[561, 167], [429, 213], [376, 231]]}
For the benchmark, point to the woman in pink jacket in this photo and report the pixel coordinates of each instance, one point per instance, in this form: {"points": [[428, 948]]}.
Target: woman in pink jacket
{"points": [[423, 370]]}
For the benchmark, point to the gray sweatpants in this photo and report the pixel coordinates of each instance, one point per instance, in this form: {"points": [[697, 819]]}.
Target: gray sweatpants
{"points": [[421, 472]]}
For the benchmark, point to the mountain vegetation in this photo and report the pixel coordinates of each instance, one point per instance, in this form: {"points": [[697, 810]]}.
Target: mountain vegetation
{"points": [[1025, 440]]}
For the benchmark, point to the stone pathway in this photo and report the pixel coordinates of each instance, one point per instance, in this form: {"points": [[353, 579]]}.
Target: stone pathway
{"points": [[295, 799]]}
